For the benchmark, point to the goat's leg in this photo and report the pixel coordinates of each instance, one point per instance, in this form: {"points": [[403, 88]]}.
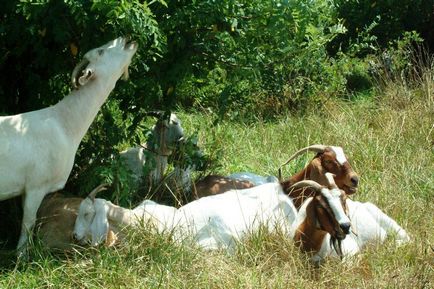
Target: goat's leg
{"points": [[387, 223], [31, 202]]}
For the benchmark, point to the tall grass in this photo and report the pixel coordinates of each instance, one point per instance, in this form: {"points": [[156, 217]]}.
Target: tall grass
{"points": [[390, 142]]}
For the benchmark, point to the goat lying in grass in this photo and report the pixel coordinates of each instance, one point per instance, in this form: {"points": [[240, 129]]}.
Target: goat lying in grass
{"points": [[327, 224], [56, 219], [38, 147], [328, 159], [98, 218], [214, 222], [330, 224]]}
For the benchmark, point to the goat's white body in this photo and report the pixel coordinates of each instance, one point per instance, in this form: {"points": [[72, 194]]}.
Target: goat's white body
{"points": [[369, 225], [166, 134], [254, 178], [164, 217], [212, 222], [220, 221], [38, 148]]}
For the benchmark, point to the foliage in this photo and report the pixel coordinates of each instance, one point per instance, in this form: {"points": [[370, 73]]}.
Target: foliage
{"points": [[393, 18], [241, 56]]}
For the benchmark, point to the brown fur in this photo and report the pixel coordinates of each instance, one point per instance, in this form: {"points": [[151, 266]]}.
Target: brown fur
{"points": [[319, 221], [215, 184], [315, 170], [56, 218]]}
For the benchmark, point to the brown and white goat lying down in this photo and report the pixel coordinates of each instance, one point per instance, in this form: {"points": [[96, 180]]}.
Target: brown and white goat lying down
{"points": [[330, 224]]}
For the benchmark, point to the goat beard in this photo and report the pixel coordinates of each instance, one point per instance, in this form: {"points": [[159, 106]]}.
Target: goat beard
{"points": [[337, 245]]}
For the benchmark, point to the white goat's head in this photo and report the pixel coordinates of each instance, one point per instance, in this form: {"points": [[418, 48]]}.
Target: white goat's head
{"points": [[166, 133], [92, 223], [110, 60]]}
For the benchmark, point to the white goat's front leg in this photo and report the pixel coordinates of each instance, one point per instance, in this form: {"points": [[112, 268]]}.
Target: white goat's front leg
{"points": [[31, 202], [387, 223]]}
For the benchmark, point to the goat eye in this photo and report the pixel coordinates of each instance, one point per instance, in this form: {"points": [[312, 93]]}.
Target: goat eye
{"points": [[100, 51]]}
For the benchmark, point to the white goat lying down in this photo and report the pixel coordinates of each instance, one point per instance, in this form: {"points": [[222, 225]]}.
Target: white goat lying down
{"points": [[329, 224], [214, 222], [255, 179], [38, 148]]}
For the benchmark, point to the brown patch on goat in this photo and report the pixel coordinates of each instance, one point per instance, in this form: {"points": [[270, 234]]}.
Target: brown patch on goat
{"points": [[56, 218], [345, 177], [215, 184], [319, 221], [307, 236]]}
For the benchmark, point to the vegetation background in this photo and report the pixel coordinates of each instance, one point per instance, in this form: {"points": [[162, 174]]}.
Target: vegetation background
{"points": [[253, 81]]}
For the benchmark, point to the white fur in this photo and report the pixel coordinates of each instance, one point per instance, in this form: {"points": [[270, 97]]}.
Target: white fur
{"points": [[253, 178], [166, 134], [340, 156], [371, 225], [213, 222], [38, 147]]}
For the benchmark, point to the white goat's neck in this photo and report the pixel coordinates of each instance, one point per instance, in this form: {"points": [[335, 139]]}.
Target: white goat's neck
{"points": [[78, 109], [120, 216]]}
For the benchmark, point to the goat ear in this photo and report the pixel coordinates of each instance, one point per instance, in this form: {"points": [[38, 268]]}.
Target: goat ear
{"points": [[87, 74], [100, 225]]}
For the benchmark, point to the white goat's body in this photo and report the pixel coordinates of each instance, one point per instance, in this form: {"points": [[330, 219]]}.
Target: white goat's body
{"points": [[212, 222], [369, 225], [220, 221], [26, 160], [38, 148], [164, 217], [254, 178]]}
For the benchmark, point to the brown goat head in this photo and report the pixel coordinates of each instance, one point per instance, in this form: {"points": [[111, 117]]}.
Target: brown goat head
{"points": [[333, 160], [328, 159]]}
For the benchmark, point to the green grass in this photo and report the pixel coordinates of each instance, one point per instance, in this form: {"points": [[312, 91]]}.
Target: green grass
{"points": [[390, 142]]}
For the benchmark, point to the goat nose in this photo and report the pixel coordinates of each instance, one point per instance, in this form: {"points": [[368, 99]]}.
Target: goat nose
{"points": [[355, 181], [345, 227], [74, 237]]}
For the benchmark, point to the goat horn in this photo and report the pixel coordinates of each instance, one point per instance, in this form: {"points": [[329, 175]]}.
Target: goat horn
{"points": [[307, 183], [318, 148], [331, 180], [79, 67], [98, 189]]}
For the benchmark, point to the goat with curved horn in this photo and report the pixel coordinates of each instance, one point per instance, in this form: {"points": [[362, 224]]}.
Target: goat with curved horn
{"points": [[95, 191], [329, 159], [317, 217]]}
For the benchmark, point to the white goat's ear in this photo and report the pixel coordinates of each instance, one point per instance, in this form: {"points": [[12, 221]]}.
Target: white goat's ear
{"points": [[87, 74], [100, 225]]}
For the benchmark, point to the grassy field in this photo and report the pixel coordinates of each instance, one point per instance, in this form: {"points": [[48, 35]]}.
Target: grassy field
{"points": [[389, 139]]}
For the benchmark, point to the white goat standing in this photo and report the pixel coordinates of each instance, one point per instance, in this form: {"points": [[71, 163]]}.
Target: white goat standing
{"points": [[38, 148]]}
